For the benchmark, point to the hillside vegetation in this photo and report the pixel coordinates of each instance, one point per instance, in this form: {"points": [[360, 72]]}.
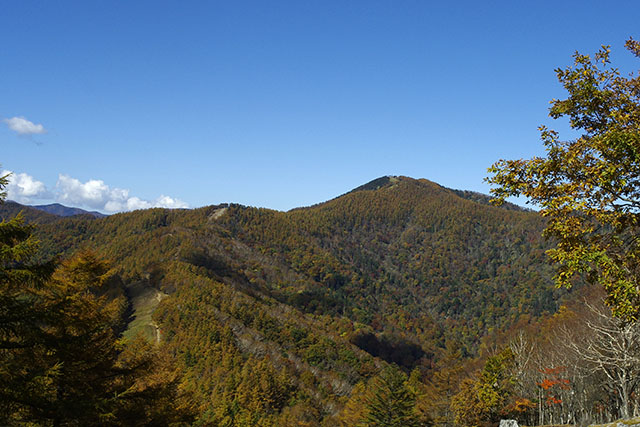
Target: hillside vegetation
{"points": [[275, 316]]}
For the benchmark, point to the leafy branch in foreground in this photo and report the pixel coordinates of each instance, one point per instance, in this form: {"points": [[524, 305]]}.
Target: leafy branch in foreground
{"points": [[588, 189]]}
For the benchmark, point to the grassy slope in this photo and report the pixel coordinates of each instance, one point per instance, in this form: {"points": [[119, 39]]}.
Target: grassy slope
{"points": [[144, 299]]}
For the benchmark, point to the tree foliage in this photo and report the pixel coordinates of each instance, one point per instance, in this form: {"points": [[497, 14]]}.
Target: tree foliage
{"points": [[389, 399], [22, 310], [272, 316], [579, 366], [62, 361], [392, 402], [588, 189], [485, 399]]}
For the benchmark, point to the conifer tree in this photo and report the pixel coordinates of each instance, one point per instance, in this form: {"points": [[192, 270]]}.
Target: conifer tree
{"points": [[62, 361], [24, 374], [355, 409], [391, 403], [484, 400]]}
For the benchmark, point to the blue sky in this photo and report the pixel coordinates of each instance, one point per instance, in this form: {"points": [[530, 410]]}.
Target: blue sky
{"points": [[279, 104]]}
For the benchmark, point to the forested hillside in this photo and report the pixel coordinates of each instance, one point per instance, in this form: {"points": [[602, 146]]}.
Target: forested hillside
{"points": [[400, 303], [274, 317], [409, 249]]}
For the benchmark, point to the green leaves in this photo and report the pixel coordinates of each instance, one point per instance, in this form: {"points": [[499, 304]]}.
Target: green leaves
{"points": [[392, 402], [485, 399], [589, 188]]}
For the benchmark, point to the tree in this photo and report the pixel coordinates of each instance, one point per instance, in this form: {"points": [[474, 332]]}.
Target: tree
{"points": [[443, 385], [581, 365], [486, 399], [62, 360], [610, 347], [466, 406], [391, 402], [23, 376], [588, 189], [354, 410]]}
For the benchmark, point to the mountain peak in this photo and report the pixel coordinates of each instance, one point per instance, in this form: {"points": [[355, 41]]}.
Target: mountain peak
{"points": [[376, 184]]}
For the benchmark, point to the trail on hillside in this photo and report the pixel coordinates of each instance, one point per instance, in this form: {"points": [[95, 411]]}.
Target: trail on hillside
{"points": [[144, 300]]}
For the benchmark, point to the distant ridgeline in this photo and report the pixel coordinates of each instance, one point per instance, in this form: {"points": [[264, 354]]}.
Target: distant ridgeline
{"points": [[397, 270], [61, 210], [11, 208]]}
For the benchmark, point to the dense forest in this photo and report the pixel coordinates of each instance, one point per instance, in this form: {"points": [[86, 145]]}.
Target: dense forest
{"points": [[400, 303], [283, 317], [315, 316]]}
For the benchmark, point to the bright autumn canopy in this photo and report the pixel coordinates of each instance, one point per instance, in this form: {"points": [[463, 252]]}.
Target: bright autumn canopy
{"points": [[588, 189]]}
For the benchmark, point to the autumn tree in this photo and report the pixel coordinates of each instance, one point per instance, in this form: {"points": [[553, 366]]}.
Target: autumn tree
{"points": [[487, 398], [354, 411], [101, 379], [443, 385], [580, 366], [588, 189], [62, 359]]}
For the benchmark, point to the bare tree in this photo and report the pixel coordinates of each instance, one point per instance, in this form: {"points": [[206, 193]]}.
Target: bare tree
{"points": [[611, 347]]}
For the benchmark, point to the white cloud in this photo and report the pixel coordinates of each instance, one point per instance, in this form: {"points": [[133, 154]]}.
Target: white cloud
{"points": [[23, 188], [95, 194], [169, 202], [92, 193], [22, 126], [126, 204]]}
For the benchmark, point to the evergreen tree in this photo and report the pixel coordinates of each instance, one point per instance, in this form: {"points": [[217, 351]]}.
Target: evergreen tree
{"points": [[355, 409], [483, 401], [25, 377], [62, 361], [391, 403]]}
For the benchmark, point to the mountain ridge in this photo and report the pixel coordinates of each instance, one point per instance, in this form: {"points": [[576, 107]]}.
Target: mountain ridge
{"points": [[62, 210], [375, 184], [396, 272]]}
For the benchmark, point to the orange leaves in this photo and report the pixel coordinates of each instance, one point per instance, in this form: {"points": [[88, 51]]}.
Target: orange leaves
{"points": [[552, 383], [546, 384], [551, 400]]}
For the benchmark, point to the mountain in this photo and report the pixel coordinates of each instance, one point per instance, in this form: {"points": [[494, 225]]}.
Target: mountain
{"points": [[10, 209], [302, 305], [61, 210]]}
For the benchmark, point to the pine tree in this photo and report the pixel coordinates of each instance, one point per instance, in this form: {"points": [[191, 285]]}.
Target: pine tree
{"points": [[391, 403], [484, 400], [355, 409]]}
